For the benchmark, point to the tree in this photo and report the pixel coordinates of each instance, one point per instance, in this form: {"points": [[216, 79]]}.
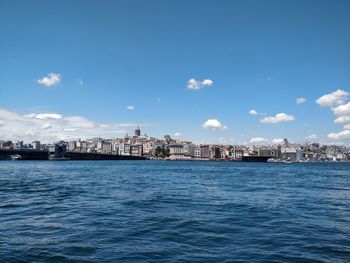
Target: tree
{"points": [[158, 152]]}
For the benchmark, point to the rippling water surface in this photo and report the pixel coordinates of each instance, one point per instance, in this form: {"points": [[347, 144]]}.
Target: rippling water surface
{"points": [[157, 211]]}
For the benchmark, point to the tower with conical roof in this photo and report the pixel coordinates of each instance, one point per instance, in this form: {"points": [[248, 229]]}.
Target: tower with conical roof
{"points": [[137, 131]]}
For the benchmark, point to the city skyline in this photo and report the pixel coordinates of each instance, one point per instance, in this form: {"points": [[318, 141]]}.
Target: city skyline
{"points": [[239, 74], [145, 147]]}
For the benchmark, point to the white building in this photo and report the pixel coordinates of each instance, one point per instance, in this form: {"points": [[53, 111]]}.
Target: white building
{"points": [[188, 149], [176, 150], [36, 145], [197, 152]]}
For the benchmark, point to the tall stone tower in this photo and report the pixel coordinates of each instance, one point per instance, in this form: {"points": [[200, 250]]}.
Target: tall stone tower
{"points": [[137, 131]]}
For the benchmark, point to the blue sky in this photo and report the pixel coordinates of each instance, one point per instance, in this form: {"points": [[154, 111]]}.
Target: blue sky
{"points": [[107, 55]]}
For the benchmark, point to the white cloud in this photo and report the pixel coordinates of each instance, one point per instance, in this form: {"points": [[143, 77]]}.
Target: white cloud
{"points": [[253, 112], [277, 141], [342, 110], [345, 134], [342, 119], [207, 82], [335, 98], [44, 116], [46, 126], [49, 80], [130, 107], [214, 124], [193, 84], [258, 140], [29, 116], [81, 122], [311, 137], [337, 102], [177, 134], [300, 100], [36, 127], [280, 117]]}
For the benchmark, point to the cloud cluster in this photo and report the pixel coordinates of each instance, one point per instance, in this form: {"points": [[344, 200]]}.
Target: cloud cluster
{"points": [[130, 107], [342, 119], [344, 134], [193, 84], [337, 102], [337, 97], [311, 137], [261, 140], [253, 112], [50, 127], [258, 140], [49, 80], [277, 141], [214, 124], [342, 110], [280, 117], [43, 116], [300, 100]]}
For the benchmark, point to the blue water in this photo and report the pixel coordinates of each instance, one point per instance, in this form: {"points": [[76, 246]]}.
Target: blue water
{"points": [[164, 211]]}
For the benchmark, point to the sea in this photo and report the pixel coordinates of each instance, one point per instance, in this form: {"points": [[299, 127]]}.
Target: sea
{"points": [[174, 211]]}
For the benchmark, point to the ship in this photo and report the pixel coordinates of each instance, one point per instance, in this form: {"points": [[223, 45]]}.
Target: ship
{"points": [[256, 159]]}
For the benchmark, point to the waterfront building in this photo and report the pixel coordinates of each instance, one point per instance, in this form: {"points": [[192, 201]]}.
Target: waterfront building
{"points": [[136, 150], [289, 154], [238, 154], [226, 152], [148, 147], [7, 145], [36, 145], [215, 152], [84, 144], [340, 157], [268, 151], [115, 147], [19, 145], [299, 155], [126, 149], [197, 152], [205, 151], [121, 148], [188, 149], [176, 150], [107, 148], [99, 146]]}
